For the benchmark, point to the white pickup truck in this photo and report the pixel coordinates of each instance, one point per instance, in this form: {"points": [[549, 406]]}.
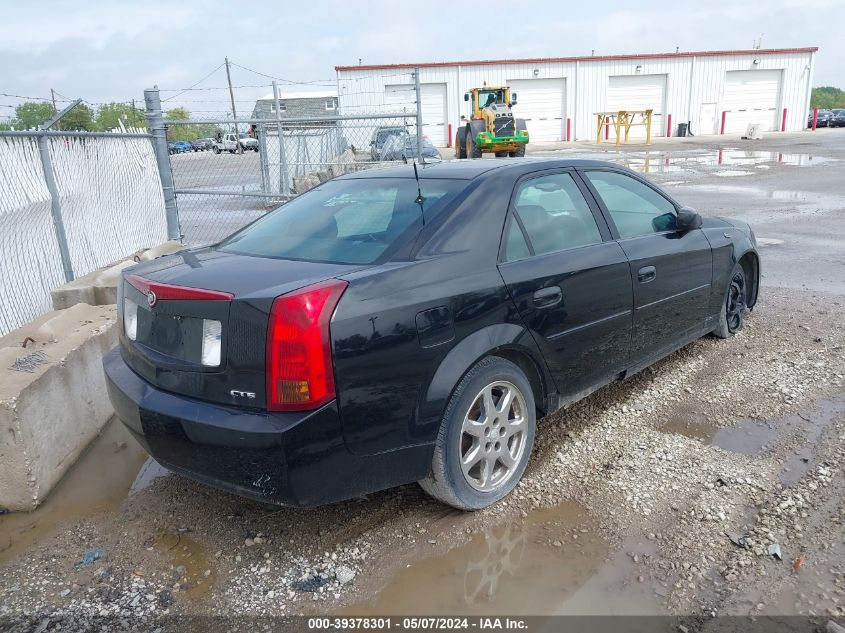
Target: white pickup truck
{"points": [[229, 143]]}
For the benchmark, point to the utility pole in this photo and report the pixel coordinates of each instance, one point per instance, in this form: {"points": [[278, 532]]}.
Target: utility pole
{"points": [[133, 113], [234, 113], [55, 109], [419, 114]]}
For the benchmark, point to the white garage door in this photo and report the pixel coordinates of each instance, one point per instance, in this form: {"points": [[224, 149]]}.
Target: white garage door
{"points": [[751, 96], [433, 96], [541, 103], [638, 92]]}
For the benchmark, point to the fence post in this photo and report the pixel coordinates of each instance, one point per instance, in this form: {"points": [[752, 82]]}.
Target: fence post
{"points": [[55, 206], [284, 185], [419, 113], [155, 122]]}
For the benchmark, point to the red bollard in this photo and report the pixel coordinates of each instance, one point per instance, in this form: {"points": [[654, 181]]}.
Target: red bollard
{"points": [[606, 128], [815, 118], [668, 125], [783, 121], [722, 129], [449, 137], [568, 129]]}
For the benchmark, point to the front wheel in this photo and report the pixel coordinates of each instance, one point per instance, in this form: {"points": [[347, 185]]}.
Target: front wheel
{"points": [[734, 307], [461, 143], [216, 150], [473, 150], [519, 153], [485, 437]]}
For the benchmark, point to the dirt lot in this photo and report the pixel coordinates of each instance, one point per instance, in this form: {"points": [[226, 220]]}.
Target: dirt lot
{"points": [[710, 484]]}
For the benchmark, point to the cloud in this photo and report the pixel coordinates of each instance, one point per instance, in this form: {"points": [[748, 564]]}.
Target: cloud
{"points": [[105, 51]]}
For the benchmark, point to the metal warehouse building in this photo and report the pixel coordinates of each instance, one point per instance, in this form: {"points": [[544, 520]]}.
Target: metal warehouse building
{"points": [[715, 91]]}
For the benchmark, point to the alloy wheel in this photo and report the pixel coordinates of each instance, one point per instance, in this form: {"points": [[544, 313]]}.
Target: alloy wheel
{"points": [[493, 436], [735, 307]]}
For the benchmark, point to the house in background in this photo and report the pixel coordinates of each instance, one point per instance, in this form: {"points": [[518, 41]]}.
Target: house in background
{"points": [[295, 105]]}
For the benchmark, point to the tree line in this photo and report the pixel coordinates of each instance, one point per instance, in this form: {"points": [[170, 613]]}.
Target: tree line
{"points": [[827, 98], [31, 114]]}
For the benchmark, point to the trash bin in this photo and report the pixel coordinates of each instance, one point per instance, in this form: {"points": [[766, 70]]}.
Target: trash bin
{"points": [[682, 129]]}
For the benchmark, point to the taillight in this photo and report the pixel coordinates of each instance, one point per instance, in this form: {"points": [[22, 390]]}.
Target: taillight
{"points": [[157, 291], [300, 373]]}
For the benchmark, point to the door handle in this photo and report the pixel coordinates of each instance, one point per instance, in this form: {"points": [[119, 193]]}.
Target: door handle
{"points": [[548, 297], [646, 274]]}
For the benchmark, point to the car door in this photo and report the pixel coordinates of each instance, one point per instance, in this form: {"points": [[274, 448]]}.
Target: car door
{"points": [[569, 280], [671, 271]]}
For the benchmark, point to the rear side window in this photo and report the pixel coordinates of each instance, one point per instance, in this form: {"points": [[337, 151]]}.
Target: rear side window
{"points": [[636, 209], [554, 214], [345, 221]]}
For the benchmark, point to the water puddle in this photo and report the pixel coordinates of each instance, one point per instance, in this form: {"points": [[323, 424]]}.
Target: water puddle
{"points": [[754, 437], [98, 482], [746, 437], [533, 566], [189, 562]]}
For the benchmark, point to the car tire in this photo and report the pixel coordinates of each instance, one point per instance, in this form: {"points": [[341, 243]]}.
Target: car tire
{"points": [[216, 150], [519, 153], [734, 305], [468, 431]]}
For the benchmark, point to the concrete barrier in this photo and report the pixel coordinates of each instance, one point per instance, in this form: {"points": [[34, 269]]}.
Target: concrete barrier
{"points": [[53, 398], [100, 286]]}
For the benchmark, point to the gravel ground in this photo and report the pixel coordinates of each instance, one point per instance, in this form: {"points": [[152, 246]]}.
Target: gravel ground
{"points": [[709, 484]]}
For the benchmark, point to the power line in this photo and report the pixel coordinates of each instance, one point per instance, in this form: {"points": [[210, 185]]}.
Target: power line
{"points": [[196, 84], [282, 79]]}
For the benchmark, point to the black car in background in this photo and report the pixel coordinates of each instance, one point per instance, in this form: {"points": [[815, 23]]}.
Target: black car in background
{"points": [[824, 119], [203, 144], [381, 330], [838, 119]]}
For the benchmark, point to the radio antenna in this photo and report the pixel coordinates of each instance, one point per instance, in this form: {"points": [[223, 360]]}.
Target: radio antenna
{"points": [[420, 198]]}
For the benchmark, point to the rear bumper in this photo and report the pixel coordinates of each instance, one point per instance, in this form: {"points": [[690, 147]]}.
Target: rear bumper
{"points": [[285, 458]]}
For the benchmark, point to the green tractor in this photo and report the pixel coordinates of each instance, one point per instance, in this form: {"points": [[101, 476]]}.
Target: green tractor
{"points": [[492, 127]]}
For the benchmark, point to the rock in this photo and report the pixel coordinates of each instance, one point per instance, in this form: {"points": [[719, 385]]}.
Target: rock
{"points": [[65, 593], [344, 574], [774, 550], [833, 627]]}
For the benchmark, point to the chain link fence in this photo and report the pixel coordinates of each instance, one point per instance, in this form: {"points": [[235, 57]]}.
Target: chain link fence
{"points": [[228, 172], [71, 202]]}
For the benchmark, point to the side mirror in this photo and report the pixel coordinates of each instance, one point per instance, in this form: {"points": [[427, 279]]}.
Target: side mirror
{"points": [[513, 97], [466, 96], [687, 220]]}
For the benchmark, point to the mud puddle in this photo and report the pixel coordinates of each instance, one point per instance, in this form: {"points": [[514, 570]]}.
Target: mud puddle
{"points": [[193, 573], [98, 482], [754, 437], [552, 561]]}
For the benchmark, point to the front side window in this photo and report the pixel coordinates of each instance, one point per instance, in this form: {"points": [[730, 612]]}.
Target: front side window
{"points": [[555, 214], [352, 221], [636, 209]]}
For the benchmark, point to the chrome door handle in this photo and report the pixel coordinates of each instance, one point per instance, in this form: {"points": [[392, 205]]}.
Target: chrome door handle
{"points": [[548, 297], [646, 274]]}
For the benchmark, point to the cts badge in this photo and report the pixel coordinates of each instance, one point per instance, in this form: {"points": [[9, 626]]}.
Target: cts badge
{"points": [[242, 394]]}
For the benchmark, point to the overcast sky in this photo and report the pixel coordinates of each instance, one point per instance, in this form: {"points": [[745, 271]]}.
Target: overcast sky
{"points": [[110, 51]]}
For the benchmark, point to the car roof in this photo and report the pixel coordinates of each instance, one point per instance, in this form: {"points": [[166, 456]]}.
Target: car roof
{"points": [[469, 169]]}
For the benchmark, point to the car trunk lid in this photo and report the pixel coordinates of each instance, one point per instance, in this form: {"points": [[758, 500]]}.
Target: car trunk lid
{"points": [[195, 323]]}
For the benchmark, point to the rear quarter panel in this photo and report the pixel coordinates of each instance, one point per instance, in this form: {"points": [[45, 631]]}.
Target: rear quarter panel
{"points": [[392, 386]]}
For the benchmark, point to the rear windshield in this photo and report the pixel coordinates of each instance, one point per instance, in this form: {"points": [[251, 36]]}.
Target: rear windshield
{"points": [[345, 221]]}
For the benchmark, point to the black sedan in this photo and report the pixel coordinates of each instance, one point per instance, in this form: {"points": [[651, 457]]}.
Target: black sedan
{"points": [[838, 119], [823, 119], [380, 330]]}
